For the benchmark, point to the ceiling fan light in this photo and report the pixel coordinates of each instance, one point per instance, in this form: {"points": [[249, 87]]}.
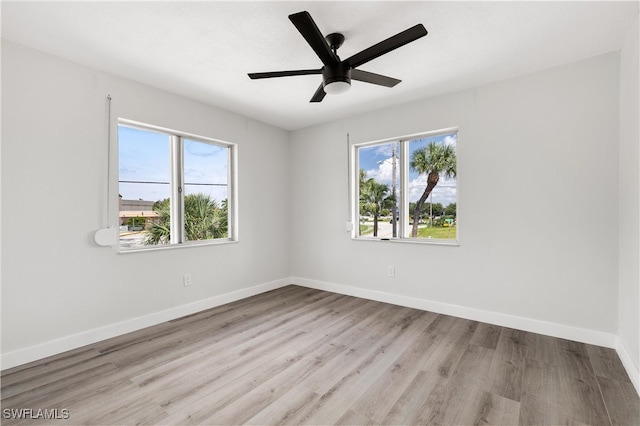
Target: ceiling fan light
{"points": [[337, 87]]}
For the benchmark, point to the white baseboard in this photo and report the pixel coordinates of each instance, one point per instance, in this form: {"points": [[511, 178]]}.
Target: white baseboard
{"points": [[57, 346], [592, 337], [629, 364]]}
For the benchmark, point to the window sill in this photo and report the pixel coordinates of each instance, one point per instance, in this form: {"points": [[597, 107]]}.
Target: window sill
{"points": [[423, 241], [177, 246]]}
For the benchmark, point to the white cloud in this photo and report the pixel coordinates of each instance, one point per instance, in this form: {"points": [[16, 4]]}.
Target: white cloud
{"points": [[451, 140], [384, 172], [444, 193], [416, 187], [384, 150]]}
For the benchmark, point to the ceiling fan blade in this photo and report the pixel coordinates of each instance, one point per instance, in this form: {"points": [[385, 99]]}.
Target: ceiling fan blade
{"points": [[319, 95], [309, 30], [369, 77], [256, 75], [386, 46]]}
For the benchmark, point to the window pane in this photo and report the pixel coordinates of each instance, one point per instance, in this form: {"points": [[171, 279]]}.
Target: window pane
{"points": [[379, 180], [206, 190], [144, 174], [433, 187]]}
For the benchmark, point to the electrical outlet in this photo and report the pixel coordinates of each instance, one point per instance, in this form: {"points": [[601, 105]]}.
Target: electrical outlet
{"points": [[186, 280], [391, 271]]}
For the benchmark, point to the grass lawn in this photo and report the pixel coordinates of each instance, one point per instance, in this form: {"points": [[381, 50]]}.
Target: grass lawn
{"points": [[365, 229], [438, 232], [423, 231]]}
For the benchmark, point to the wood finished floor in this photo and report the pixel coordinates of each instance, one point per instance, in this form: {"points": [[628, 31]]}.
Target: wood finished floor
{"points": [[302, 356]]}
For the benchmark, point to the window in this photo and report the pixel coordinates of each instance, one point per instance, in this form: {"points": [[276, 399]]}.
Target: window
{"points": [[174, 189], [406, 189]]}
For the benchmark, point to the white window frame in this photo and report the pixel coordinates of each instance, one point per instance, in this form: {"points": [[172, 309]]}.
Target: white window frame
{"points": [[177, 183], [403, 204]]}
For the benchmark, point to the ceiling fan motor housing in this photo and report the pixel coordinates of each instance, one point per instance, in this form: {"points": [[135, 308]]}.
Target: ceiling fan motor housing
{"points": [[338, 72]]}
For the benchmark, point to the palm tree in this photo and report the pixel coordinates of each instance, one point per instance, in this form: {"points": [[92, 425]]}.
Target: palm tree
{"points": [[374, 196], [160, 231], [362, 178], [204, 219], [433, 160], [361, 183]]}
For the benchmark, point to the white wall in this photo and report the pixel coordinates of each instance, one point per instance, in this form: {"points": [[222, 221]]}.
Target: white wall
{"points": [[538, 204], [629, 245], [58, 288], [542, 178]]}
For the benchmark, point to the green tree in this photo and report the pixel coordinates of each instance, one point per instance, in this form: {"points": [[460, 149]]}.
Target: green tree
{"points": [[204, 219], [433, 160], [135, 221], [450, 210], [424, 214], [160, 231], [374, 196], [361, 182], [362, 178], [435, 208]]}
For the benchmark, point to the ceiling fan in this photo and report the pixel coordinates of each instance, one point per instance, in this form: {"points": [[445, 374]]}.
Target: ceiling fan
{"points": [[337, 74]]}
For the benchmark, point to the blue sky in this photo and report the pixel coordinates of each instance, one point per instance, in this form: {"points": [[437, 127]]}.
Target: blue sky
{"points": [[377, 162], [144, 156]]}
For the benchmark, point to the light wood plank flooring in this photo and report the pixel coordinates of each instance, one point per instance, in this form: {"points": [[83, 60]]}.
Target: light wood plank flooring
{"points": [[302, 356]]}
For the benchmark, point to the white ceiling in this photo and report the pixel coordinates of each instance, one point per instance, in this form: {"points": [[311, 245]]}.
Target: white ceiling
{"points": [[203, 50]]}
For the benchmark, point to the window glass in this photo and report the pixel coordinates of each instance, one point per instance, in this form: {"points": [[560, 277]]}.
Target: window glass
{"points": [[173, 189], [433, 187], [379, 179], [407, 188], [205, 187], [144, 191]]}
